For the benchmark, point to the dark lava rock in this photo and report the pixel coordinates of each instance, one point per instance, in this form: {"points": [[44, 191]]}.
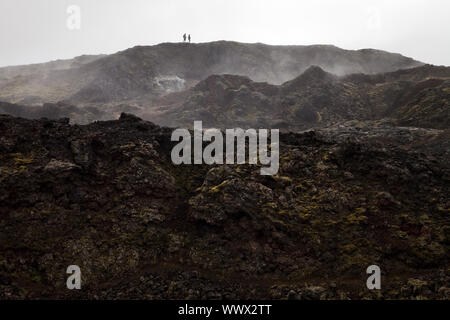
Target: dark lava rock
{"points": [[107, 197]]}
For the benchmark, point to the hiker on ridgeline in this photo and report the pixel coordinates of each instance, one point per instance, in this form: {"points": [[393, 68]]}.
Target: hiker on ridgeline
{"points": [[189, 38], [184, 37]]}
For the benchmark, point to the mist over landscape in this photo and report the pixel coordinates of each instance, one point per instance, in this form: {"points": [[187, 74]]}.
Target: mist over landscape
{"points": [[360, 94]]}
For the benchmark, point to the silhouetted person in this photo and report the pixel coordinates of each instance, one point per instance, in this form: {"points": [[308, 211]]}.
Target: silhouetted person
{"points": [[189, 38], [184, 37]]}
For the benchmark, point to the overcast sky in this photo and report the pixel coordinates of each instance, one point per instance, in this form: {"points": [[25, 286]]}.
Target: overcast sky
{"points": [[41, 30]]}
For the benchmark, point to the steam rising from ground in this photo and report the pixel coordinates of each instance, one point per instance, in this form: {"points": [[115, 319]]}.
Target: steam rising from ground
{"points": [[138, 76]]}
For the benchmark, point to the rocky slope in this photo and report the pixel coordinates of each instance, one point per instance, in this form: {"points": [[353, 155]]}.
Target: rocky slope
{"points": [[143, 73], [77, 114], [419, 97], [107, 197]]}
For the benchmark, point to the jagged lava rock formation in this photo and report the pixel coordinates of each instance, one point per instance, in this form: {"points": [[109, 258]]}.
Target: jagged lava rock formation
{"points": [[418, 97], [106, 197]]}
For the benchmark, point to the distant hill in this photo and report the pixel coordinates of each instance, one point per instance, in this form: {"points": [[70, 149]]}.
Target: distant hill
{"points": [[23, 70], [419, 97], [145, 72]]}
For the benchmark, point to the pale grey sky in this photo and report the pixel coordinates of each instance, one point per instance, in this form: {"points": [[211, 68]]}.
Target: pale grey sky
{"points": [[36, 30]]}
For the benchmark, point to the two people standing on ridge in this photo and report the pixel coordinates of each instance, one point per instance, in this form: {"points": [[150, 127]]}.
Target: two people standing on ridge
{"points": [[184, 38]]}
